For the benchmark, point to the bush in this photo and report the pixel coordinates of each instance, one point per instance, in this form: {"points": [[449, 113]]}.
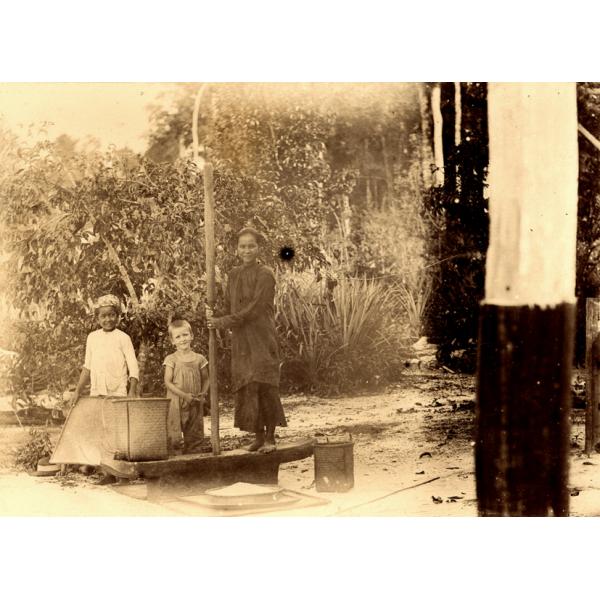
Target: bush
{"points": [[39, 446], [338, 334]]}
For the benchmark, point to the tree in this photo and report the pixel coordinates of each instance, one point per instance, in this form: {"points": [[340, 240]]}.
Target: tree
{"points": [[458, 213], [289, 160], [81, 228], [588, 232], [527, 321], [323, 152]]}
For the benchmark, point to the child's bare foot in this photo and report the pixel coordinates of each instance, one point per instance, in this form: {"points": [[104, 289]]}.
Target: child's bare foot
{"points": [[267, 448], [254, 446]]}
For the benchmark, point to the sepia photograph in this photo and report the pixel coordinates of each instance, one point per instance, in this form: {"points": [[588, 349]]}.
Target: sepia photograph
{"points": [[299, 299]]}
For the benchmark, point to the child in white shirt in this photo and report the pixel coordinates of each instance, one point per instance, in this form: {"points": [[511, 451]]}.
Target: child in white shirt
{"points": [[110, 362]]}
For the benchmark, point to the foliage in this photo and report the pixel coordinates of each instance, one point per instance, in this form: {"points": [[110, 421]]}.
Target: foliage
{"points": [[337, 337], [458, 211], [271, 156], [80, 223], [305, 332], [392, 246], [79, 229], [37, 447], [303, 148]]}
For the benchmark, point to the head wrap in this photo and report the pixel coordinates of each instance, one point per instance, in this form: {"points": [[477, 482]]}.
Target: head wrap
{"points": [[108, 300], [258, 236]]}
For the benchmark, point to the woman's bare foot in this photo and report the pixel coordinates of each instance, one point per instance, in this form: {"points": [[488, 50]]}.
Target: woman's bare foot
{"points": [[254, 446], [267, 448], [106, 479]]}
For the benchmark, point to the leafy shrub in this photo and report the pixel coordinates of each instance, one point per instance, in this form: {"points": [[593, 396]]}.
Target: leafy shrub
{"points": [[305, 331], [370, 323], [37, 447], [340, 335]]}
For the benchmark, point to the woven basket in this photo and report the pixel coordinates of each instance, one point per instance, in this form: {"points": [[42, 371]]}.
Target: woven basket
{"points": [[140, 428]]}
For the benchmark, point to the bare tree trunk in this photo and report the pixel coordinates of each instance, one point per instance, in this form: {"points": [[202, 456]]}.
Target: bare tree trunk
{"points": [[376, 190], [143, 347], [389, 178], [142, 358], [366, 168], [592, 388], [527, 319], [458, 114], [426, 139], [457, 128], [346, 217], [438, 148]]}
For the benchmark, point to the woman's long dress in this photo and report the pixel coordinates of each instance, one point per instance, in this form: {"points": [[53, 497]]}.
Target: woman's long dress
{"points": [[254, 349]]}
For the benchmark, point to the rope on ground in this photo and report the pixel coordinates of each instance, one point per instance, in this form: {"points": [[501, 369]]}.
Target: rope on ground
{"points": [[410, 487]]}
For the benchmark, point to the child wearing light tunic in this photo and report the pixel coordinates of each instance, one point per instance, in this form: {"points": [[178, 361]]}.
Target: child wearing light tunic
{"points": [[186, 380], [110, 364]]}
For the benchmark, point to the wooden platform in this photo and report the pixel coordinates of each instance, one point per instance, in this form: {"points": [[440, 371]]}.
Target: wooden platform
{"points": [[192, 474]]}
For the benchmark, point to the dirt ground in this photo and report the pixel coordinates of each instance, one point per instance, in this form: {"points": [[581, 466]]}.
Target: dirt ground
{"points": [[413, 455]]}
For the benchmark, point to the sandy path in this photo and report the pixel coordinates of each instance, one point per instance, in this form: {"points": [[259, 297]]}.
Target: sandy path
{"points": [[390, 431]]}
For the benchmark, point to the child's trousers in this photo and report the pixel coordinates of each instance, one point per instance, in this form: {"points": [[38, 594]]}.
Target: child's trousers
{"points": [[192, 426]]}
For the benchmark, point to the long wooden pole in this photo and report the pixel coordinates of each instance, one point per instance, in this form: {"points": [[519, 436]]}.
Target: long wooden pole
{"points": [[209, 232], [527, 321], [588, 136], [209, 252]]}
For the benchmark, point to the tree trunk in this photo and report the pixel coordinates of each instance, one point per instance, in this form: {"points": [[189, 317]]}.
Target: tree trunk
{"points": [[142, 358], [346, 217], [457, 129], [592, 389], [426, 139], [366, 168], [143, 347], [527, 320], [438, 149], [457, 115], [389, 178]]}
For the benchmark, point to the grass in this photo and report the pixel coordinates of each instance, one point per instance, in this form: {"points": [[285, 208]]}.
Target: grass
{"points": [[335, 336]]}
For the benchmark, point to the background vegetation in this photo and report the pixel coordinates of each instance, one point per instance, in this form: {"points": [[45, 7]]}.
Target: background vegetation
{"points": [[328, 172], [385, 252]]}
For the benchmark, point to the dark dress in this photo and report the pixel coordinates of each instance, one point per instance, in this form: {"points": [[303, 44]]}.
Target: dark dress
{"points": [[254, 349]]}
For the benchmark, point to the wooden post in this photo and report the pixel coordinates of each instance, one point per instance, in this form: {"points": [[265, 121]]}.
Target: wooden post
{"points": [[527, 319], [209, 250], [592, 383]]}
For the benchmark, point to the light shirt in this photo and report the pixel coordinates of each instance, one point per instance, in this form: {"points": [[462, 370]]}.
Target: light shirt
{"points": [[110, 358]]}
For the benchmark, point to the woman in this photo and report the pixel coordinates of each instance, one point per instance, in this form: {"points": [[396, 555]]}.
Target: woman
{"points": [[254, 350]]}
